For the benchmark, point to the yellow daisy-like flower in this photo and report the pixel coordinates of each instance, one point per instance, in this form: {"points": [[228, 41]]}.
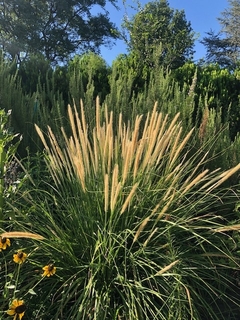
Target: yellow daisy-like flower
{"points": [[17, 309], [4, 243], [49, 270], [19, 257]]}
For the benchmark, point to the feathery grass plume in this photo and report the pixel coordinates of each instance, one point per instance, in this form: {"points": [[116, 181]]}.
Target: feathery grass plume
{"points": [[19, 234], [193, 85], [235, 227], [165, 269], [130, 198], [203, 125], [106, 192]]}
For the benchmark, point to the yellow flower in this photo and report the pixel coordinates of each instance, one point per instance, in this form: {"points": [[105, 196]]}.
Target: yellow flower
{"points": [[19, 257], [17, 309], [4, 242], [49, 270]]}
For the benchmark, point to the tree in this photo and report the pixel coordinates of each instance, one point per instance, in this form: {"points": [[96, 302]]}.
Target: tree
{"points": [[56, 28], [33, 71], [224, 47], [159, 33], [218, 50], [88, 68]]}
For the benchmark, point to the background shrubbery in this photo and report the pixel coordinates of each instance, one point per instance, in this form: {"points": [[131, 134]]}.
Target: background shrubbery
{"points": [[136, 211]]}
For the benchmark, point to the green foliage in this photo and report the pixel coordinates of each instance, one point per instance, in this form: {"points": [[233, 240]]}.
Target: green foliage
{"points": [[54, 28], [215, 88], [12, 98], [157, 30], [218, 50], [61, 82], [133, 226], [134, 210], [132, 91], [30, 107], [8, 165], [33, 70], [84, 70], [223, 48]]}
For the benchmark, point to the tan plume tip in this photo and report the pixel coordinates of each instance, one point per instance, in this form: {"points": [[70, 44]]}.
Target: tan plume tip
{"points": [[165, 269], [235, 227], [17, 234]]}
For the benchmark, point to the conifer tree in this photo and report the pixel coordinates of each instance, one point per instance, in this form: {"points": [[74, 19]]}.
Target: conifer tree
{"points": [[224, 47]]}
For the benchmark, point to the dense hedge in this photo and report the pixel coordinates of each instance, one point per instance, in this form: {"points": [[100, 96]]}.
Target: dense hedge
{"points": [[207, 97]]}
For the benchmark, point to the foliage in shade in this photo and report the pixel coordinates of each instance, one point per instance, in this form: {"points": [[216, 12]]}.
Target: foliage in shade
{"points": [[187, 90], [218, 88], [86, 70], [56, 29], [8, 165], [32, 71], [137, 221]]}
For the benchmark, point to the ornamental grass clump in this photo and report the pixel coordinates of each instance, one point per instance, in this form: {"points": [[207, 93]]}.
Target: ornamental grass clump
{"points": [[133, 220]]}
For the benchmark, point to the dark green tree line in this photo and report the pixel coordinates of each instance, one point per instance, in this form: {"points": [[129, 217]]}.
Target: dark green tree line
{"points": [[55, 28]]}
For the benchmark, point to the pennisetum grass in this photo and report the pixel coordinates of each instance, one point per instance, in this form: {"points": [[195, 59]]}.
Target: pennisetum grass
{"points": [[134, 222]]}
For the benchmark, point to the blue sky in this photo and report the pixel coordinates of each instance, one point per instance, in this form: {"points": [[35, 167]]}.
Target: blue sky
{"points": [[202, 14]]}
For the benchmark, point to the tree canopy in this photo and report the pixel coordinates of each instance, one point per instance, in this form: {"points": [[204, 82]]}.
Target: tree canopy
{"points": [[224, 47], [159, 30], [56, 28]]}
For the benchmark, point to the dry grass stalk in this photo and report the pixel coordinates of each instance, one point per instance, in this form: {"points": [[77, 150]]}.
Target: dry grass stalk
{"points": [[149, 237], [126, 161], [83, 118], [195, 181], [175, 173], [167, 205], [167, 136], [193, 85], [107, 150], [19, 234], [172, 187], [116, 195], [128, 158], [110, 154], [114, 188], [129, 197], [95, 156], [172, 123], [176, 140], [145, 221], [165, 269], [180, 148], [193, 172], [39, 132], [98, 118], [152, 139], [138, 156], [106, 192], [141, 227], [235, 227], [221, 178], [204, 123]]}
